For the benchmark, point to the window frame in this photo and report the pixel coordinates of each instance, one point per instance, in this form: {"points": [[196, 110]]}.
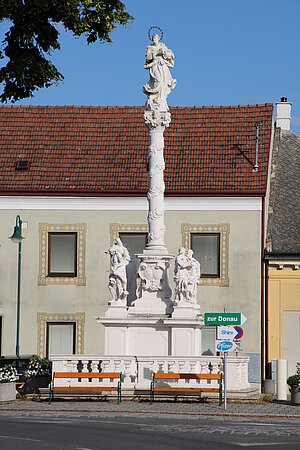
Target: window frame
{"points": [[187, 229], [64, 318], [44, 277], [62, 274], [210, 275], [115, 229]]}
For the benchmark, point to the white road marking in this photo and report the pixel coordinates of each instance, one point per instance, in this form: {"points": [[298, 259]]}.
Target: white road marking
{"points": [[261, 444], [83, 448], [2, 436]]}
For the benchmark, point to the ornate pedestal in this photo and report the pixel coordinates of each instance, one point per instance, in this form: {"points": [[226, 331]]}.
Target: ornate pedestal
{"points": [[152, 336]]}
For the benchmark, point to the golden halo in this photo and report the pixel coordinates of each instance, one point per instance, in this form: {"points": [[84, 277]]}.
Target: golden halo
{"points": [[156, 28]]}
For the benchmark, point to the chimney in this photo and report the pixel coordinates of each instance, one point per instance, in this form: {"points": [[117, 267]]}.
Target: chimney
{"points": [[283, 114]]}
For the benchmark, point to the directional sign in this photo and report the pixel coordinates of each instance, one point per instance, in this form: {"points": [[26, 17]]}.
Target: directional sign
{"points": [[240, 332], [224, 332], [224, 318], [225, 346]]}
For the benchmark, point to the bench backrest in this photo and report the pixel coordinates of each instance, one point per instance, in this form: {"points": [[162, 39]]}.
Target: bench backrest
{"points": [[187, 376], [81, 375]]}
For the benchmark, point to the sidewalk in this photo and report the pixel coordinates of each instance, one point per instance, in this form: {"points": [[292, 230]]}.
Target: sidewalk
{"points": [[274, 410]]}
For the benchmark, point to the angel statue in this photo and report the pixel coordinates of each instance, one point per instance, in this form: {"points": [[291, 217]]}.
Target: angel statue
{"points": [[159, 59], [117, 283], [186, 276]]}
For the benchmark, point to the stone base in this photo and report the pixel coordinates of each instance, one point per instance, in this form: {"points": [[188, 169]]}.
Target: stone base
{"points": [[150, 302], [116, 311], [185, 310], [151, 335], [268, 387], [7, 392]]}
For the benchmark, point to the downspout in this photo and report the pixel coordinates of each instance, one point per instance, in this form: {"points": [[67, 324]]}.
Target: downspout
{"points": [[267, 365], [262, 291]]}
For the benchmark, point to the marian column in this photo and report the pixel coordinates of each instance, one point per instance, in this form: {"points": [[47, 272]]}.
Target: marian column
{"points": [[154, 293]]}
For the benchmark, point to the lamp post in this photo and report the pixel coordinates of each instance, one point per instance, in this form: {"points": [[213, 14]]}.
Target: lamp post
{"points": [[17, 239]]}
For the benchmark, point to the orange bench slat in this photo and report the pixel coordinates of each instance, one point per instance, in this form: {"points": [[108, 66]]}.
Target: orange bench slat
{"points": [[63, 389], [80, 375], [174, 390], [187, 376]]}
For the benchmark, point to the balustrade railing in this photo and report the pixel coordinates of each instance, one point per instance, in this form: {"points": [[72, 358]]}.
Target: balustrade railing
{"points": [[137, 372]]}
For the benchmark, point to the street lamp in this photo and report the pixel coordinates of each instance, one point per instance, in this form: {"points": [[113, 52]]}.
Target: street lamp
{"points": [[17, 239]]}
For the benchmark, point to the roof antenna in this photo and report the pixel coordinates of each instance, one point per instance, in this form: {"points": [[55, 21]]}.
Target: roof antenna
{"points": [[255, 167]]}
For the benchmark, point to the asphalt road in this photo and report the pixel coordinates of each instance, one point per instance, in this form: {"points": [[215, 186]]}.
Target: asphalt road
{"points": [[136, 432]]}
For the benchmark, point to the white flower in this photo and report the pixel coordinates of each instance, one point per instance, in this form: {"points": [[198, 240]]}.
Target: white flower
{"points": [[8, 374]]}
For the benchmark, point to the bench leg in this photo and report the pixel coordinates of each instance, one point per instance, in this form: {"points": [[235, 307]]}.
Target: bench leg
{"points": [[151, 393], [119, 393]]}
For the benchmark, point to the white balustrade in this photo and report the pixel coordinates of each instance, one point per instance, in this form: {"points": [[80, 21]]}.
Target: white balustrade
{"points": [[138, 371]]}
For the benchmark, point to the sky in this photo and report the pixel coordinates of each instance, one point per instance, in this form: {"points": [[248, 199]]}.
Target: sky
{"points": [[227, 52]]}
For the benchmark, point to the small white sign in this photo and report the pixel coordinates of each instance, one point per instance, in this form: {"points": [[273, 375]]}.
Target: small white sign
{"points": [[226, 332], [225, 346]]}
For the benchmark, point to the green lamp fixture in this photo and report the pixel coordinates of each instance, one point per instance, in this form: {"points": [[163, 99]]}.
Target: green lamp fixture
{"points": [[17, 237]]}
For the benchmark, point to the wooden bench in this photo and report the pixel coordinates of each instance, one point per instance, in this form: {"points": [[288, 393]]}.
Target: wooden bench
{"points": [[85, 389], [185, 388]]}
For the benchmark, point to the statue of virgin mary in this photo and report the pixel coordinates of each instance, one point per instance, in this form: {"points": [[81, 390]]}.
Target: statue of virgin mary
{"points": [[159, 59]]}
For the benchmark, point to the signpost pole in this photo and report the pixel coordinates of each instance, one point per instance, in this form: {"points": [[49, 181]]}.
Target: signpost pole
{"points": [[225, 379], [225, 376]]}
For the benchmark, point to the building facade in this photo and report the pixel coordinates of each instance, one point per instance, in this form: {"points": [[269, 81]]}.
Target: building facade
{"points": [[77, 176], [282, 257]]}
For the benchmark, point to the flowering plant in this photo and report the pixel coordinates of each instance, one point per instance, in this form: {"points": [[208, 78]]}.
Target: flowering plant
{"points": [[38, 367], [8, 374]]}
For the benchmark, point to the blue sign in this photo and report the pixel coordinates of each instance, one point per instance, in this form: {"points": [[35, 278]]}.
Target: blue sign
{"points": [[225, 346]]}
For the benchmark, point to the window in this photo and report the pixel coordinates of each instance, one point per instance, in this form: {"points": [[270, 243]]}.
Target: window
{"points": [[206, 247], [60, 333], [210, 244], [208, 341], [62, 254], [135, 242], [60, 339]]}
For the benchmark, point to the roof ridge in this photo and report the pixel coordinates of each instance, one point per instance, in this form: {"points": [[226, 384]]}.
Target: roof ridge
{"points": [[254, 105]]}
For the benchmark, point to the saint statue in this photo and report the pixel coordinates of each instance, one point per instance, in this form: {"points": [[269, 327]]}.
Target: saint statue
{"points": [[117, 283], [186, 276], [159, 59]]}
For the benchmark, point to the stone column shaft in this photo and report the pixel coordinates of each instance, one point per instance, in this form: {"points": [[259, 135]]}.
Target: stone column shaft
{"points": [[156, 123]]}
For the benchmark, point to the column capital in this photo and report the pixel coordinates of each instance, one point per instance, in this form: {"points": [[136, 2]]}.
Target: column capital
{"points": [[158, 120]]}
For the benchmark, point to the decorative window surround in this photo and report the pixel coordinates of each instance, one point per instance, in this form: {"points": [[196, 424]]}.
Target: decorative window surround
{"points": [[223, 228], [43, 318], [116, 228], [80, 229]]}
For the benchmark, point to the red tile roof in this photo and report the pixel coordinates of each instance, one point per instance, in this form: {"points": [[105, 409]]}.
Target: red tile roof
{"points": [[104, 150]]}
